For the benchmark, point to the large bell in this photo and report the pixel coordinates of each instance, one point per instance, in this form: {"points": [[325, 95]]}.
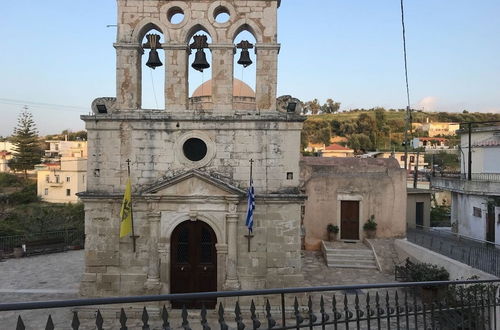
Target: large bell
{"points": [[153, 60], [245, 58], [200, 61]]}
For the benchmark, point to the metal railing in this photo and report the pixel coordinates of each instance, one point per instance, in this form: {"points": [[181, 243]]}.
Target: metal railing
{"points": [[8, 243], [424, 305], [492, 177], [479, 254]]}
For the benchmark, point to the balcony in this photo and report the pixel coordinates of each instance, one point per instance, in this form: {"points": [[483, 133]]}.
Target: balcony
{"points": [[486, 184]]}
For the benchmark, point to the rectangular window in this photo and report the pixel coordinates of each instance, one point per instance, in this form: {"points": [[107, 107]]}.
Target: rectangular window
{"points": [[57, 178], [68, 179], [412, 159], [46, 191], [83, 178], [68, 192], [402, 158], [47, 178], [476, 211]]}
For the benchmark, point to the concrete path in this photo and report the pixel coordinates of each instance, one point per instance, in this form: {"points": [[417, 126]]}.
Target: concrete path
{"points": [[57, 276]]}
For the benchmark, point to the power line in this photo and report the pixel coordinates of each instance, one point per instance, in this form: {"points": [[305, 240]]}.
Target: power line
{"points": [[41, 104], [408, 109]]}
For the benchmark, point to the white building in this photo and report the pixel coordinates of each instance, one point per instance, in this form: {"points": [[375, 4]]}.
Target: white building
{"points": [[58, 148], [476, 199], [60, 184], [430, 143], [6, 154]]}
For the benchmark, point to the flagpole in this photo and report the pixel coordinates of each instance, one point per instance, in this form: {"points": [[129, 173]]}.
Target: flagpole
{"points": [[131, 210], [250, 236]]}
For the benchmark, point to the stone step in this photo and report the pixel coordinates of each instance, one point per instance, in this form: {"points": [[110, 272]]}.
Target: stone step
{"points": [[350, 260], [353, 266], [351, 256], [353, 251]]}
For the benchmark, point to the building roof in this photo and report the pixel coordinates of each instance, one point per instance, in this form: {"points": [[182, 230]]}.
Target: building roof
{"points": [[432, 139], [239, 89], [489, 142], [338, 147], [353, 164]]}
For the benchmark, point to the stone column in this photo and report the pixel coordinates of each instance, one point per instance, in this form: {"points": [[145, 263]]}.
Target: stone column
{"points": [[267, 76], [128, 76], [222, 76], [232, 282], [176, 77], [153, 282]]}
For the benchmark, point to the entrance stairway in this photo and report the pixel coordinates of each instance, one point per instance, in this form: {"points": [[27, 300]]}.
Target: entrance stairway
{"points": [[348, 255]]}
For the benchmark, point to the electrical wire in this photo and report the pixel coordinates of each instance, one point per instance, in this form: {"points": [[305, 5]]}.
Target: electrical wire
{"points": [[40, 104], [408, 108]]}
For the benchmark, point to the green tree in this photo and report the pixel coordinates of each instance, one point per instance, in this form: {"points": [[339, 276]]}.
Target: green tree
{"points": [[312, 106], [27, 151], [330, 106], [360, 142]]}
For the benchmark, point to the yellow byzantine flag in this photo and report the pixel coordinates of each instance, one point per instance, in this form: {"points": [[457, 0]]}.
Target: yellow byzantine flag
{"points": [[126, 211]]}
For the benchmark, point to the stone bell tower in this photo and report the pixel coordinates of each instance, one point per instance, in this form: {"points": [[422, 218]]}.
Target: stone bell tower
{"points": [[190, 162]]}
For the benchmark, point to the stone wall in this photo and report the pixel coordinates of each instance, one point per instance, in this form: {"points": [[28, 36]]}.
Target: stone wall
{"points": [[378, 184]]}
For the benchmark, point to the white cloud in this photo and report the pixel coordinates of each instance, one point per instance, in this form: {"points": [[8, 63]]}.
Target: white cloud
{"points": [[428, 103]]}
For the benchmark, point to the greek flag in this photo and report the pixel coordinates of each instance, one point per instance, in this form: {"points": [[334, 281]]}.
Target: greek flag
{"points": [[250, 206]]}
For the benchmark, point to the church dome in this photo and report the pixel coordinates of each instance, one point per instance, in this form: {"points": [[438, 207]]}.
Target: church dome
{"points": [[240, 89]]}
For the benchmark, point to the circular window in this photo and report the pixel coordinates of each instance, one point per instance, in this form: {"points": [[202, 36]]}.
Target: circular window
{"points": [[175, 15], [194, 149], [221, 14]]}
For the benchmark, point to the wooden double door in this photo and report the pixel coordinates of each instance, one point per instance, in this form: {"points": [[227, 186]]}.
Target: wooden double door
{"points": [[193, 262], [349, 220]]}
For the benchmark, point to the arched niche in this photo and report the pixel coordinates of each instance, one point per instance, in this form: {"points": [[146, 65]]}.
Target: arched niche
{"points": [[196, 78], [245, 25], [152, 80]]}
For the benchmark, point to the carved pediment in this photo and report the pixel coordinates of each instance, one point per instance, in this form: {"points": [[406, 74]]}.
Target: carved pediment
{"points": [[193, 183]]}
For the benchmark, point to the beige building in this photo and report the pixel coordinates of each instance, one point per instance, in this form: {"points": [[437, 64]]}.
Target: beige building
{"points": [[346, 192], [57, 148], [190, 163], [60, 182], [336, 150], [418, 210], [6, 154], [440, 128], [400, 157]]}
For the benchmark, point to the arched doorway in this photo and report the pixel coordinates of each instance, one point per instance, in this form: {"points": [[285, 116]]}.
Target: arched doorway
{"points": [[194, 262]]}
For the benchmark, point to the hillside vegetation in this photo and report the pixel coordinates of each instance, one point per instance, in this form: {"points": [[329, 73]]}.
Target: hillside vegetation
{"points": [[377, 128]]}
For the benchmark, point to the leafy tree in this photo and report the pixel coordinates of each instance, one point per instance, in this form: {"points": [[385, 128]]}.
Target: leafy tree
{"points": [[380, 118], [330, 106], [27, 151], [360, 142], [312, 106]]}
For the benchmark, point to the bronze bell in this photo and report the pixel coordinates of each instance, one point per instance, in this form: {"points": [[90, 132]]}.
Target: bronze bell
{"points": [[200, 61], [153, 60], [245, 58]]}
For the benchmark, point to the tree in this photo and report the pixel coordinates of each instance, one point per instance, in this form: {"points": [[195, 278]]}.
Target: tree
{"points": [[330, 106], [27, 151], [312, 106]]}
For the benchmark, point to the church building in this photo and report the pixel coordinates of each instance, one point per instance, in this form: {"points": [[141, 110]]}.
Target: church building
{"points": [[191, 162]]}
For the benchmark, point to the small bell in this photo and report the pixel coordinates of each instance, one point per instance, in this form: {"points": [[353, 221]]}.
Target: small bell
{"points": [[245, 58], [200, 61], [153, 60]]}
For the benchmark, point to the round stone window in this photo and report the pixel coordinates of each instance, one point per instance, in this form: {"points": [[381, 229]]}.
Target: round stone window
{"points": [[194, 149]]}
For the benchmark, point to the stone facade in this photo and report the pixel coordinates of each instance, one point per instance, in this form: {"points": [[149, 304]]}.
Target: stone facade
{"points": [[171, 188], [378, 186]]}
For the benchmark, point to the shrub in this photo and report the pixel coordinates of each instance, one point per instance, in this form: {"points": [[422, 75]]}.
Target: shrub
{"points": [[370, 224], [331, 228]]}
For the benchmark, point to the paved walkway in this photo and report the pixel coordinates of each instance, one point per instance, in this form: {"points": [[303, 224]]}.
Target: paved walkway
{"points": [[57, 276]]}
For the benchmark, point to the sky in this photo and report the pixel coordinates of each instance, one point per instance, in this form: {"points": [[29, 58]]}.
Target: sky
{"points": [[57, 56]]}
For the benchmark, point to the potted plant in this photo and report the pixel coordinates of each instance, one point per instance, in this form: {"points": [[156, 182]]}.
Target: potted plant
{"points": [[332, 230], [18, 251], [370, 227]]}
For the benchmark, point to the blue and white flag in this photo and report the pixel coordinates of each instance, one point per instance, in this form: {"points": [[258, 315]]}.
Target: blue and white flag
{"points": [[250, 206]]}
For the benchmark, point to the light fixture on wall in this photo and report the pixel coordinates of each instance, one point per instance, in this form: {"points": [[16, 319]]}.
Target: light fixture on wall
{"points": [[153, 44], [200, 61], [245, 60]]}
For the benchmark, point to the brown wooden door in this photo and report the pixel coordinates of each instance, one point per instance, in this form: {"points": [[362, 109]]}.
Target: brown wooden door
{"points": [[349, 220], [194, 262], [490, 224]]}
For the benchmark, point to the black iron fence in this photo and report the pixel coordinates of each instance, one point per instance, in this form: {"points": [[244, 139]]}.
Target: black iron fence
{"points": [[493, 177], [424, 305], [478, 254], [68, 236]]}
